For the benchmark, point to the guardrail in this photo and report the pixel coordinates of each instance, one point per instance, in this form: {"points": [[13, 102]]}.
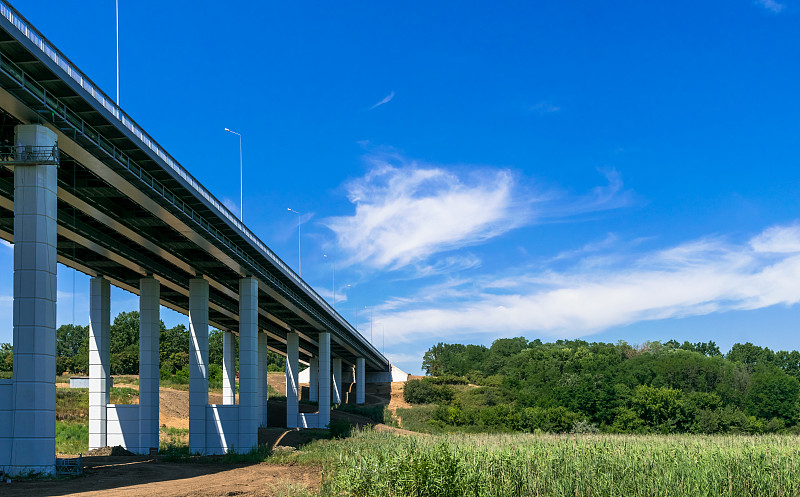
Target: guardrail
{"points": [[28, 154], [38, 39]]}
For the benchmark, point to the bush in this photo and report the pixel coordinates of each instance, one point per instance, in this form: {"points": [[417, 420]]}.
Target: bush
{"points": [[550, 419], [447, 379], [426, 392], [340, 428]]}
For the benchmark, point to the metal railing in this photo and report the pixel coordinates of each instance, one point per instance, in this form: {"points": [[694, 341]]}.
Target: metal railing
{"points": [[28, 154], [38, 39]]}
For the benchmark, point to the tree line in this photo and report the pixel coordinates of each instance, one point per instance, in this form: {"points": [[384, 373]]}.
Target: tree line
{"points": [[517, 385], [72, 349]]}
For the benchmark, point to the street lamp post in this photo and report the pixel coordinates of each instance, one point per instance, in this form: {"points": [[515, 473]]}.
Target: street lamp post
{"points": [[371, 321], [299, 256], [241, 180], [333, 266], [117, 10]]}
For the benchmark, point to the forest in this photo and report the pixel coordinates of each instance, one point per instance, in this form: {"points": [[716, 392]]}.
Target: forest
{"points": [[573, 385]]}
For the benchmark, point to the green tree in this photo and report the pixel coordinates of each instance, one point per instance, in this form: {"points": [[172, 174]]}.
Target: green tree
{"points": [[6, 357], [773, 394], [661, 408], [72, 349]]}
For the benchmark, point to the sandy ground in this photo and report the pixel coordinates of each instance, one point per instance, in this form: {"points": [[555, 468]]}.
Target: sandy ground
{"points": [[135, 476]]}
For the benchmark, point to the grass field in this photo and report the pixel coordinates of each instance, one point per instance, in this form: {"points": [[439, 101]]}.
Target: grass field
{"points": [[384, 464]]}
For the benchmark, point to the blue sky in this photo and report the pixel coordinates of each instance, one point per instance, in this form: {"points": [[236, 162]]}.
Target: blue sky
{"points": [[619, 170]]}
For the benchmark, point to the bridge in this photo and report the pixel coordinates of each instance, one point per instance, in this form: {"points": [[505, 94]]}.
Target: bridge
{"points": [[83, 185]]}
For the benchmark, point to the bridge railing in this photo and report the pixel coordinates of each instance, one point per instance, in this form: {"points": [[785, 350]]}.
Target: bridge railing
{"points": [[28, 154], [38, 39]]}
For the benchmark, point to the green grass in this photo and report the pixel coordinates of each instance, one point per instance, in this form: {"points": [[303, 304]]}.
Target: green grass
{"points": [[382, 464], [72, 404], [6, 375], [72, 437], [418, 418]]}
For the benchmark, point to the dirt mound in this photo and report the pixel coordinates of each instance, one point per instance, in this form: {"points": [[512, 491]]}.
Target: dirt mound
{"points": [[116, 450]]}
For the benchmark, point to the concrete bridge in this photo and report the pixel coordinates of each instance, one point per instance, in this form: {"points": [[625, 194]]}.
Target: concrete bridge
{"points": [[83, 185]]}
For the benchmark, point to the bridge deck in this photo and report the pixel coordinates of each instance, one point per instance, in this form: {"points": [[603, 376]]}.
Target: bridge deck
{"points": [[127, 209]]}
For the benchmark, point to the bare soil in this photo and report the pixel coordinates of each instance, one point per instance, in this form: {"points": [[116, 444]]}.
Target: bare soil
{"points": [[141, 475], [135, 476]]}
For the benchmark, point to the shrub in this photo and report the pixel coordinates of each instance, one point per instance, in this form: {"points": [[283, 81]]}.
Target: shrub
{"points": [[340, 428], [426, 392]]}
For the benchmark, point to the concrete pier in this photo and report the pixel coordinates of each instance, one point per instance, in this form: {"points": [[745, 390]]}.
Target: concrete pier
{"points": [[360, 380], [324, 380], [99, 360], [34, 388], [198, 364], [292, 362], [249, 404], [228, 370], [149, 360], [336, 380], [313, 379]]}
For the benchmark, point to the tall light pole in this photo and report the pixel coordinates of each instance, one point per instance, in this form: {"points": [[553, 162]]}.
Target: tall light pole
{"points": [[299, 257], [241, 189], [333, 266], [117, 3], [371, 322], [355, 308]]}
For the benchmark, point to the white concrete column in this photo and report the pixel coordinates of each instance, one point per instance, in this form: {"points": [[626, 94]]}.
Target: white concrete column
{"points": [[249, 403], [149, 334], [336, 391], [360, 377], [99, 360], [313, 379], [198, 363], [292, 362], [262, 379], [228, 370], [324, 379], [33, 447]]}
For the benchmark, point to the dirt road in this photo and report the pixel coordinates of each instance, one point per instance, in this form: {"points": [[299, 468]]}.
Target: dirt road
{"points": [[137, 476]]}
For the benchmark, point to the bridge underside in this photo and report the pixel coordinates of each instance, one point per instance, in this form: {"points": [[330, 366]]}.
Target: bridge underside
{"points": [[120, 209]]}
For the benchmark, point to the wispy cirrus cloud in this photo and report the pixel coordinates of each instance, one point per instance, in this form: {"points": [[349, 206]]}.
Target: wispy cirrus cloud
{"points": [[544, 108], [388, 98], [771, 5], [695, 278], [406, 211]]}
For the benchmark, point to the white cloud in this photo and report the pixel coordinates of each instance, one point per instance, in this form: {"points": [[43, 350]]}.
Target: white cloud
{"points": [[405, 214], [388, 98], [6, 244], [407, 211], [771, 5], [544, 108], [695, 278]]}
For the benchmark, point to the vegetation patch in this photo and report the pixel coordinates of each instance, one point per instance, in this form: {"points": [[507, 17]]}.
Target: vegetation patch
{"points": [[72, 437], [573, 385], [382, 464]]}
